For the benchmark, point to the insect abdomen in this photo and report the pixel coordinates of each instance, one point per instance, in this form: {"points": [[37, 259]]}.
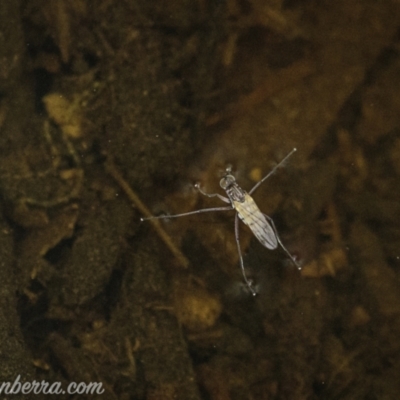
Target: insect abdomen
{"points": [[251, 215]]}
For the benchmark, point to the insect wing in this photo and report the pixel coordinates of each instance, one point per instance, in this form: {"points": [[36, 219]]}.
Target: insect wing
{"points": [[251, 215]]}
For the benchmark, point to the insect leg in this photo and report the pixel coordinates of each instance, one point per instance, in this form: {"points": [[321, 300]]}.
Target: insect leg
{"points": [[225, 199], [248, 283], [253, 189], [188, 213], [271, 221]]}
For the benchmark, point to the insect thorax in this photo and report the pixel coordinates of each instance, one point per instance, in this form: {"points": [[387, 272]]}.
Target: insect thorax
{"points": [[235, 193]]}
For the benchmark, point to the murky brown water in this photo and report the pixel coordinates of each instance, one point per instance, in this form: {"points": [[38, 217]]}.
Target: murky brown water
{"points": [[111, 111]]}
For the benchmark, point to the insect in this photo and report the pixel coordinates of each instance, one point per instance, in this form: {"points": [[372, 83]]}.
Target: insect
{"points": [[247, 211]]}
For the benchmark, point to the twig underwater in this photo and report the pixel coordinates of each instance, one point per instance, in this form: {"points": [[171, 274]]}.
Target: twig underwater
{"points": [[113, 171], [247, 211]]}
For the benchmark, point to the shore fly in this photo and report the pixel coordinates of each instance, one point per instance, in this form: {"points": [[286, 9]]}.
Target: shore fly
{"points": [[247, 211]]}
